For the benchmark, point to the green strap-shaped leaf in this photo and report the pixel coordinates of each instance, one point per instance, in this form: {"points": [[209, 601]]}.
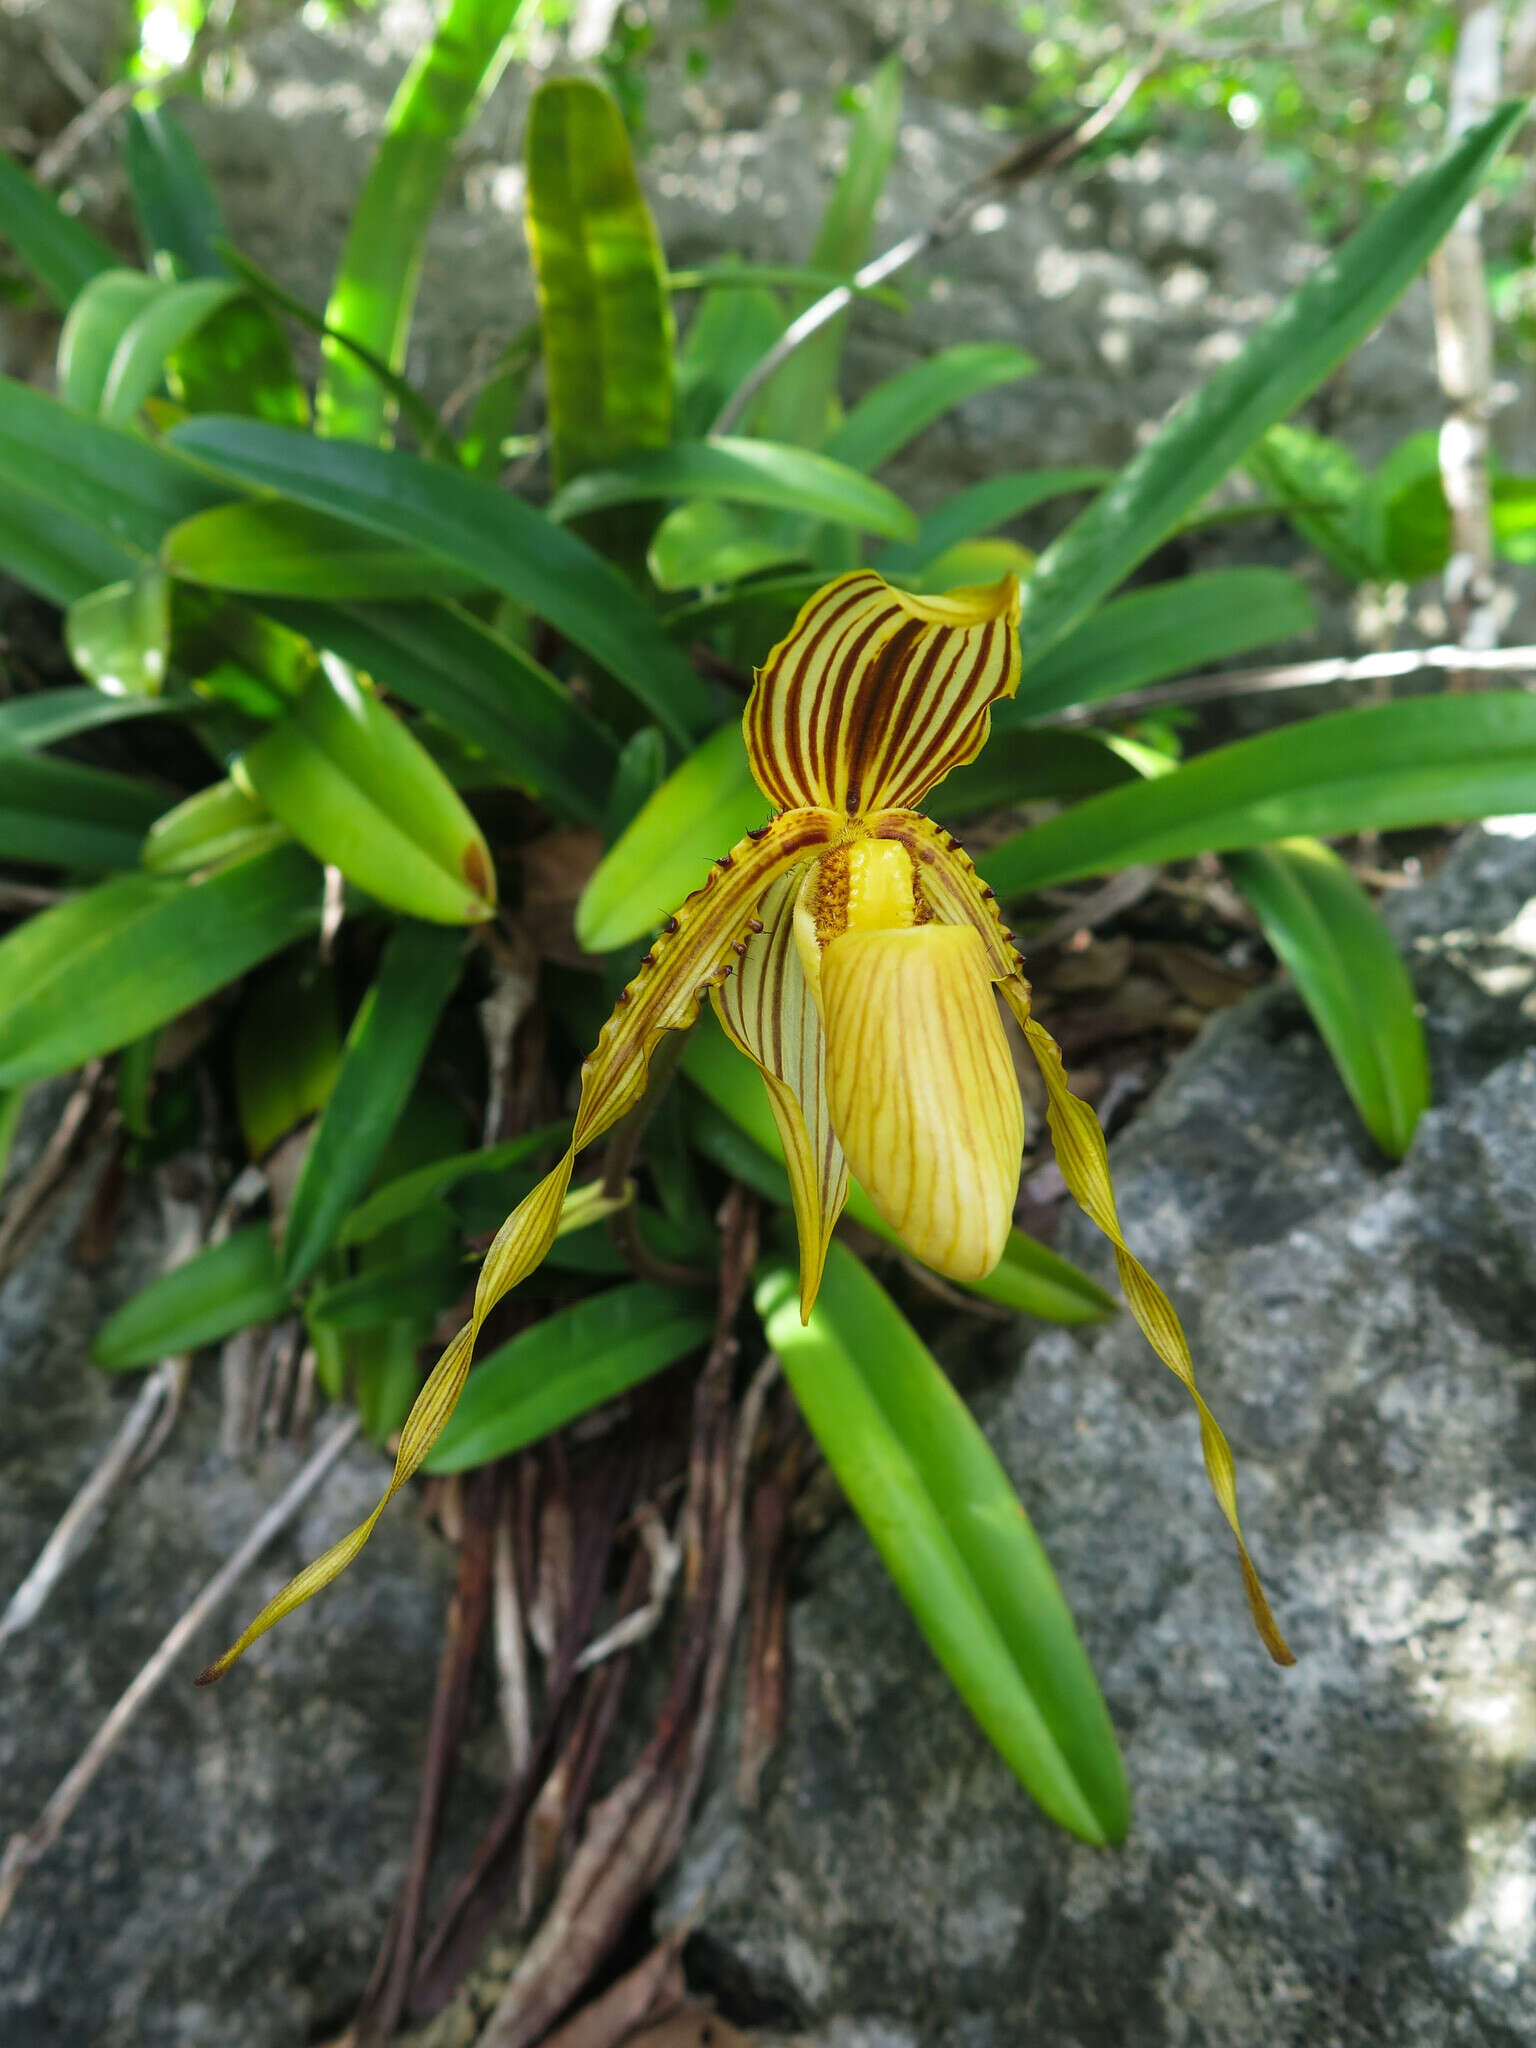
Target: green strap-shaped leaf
{"points": [[53, 553], [603, 304], [216, 1292], [1277, 367], [217, 824], [95, 324], [980, 509], [27, 723], [178, 210], [899, 408], [60, 814], [287, 1049], [411, 1192], [566, 1365], [374, 295], [749, 472], [493, 694], [352, 784], [731, 329], [1320, 484], [385, 1048], [1030, 1278], [950, 1528], [1028, 762], [237, 359], [497, 539], [701, 809], [1167, 629], [60, 253], [163, 325], [115, 484], [266, 548], [120, 638], [106, 967], [1421, 761], [705, 543], [1351, 976], [796, 403]]}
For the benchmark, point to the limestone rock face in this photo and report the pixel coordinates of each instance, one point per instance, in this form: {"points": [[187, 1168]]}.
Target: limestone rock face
{"points": [[1340, 1854], [227, 1877]]}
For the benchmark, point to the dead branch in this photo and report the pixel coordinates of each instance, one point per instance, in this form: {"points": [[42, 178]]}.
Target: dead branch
{"points": [[1304, 675], [1034, 158], [83, 1116]]}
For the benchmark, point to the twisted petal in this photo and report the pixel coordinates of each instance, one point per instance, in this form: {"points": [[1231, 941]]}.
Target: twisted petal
{"points": [[696, 952], [874, 695], [768, 1009], [1079, 1146], [922, 1089], [956, 895]]}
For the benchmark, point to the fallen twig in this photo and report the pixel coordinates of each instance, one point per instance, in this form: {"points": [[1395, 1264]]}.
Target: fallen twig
{"points": [[82, 1115], [1031, 159], [23, 1850], [1305, 675]]}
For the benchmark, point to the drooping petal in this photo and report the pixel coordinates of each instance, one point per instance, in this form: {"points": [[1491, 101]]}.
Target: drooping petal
{"points": [[924, 1098], [1084, 1163], [771, 1014], [874, 694], [694, 954]]}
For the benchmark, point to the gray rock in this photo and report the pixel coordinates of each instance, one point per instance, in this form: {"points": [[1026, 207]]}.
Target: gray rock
{"points": [[228, 1876], [1340, 1854]]}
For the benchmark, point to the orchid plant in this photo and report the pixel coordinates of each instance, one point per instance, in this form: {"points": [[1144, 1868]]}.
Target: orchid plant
{"points": [[849, 949]]}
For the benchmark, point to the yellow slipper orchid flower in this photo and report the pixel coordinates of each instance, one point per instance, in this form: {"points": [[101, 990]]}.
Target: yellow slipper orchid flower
{"points": [[850, 950]]}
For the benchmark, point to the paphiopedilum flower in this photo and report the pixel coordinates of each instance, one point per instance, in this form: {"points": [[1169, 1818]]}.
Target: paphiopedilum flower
{"points": [[850, 949]]}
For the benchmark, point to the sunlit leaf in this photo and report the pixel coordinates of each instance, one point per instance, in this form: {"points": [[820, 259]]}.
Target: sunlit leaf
{"points": [[1288, 357], [266, 548], [705, 805], [350, 783], [795, 404], [105, 307], [119, 638], [374, 295], [950, 1528], [442, 660], [1420, 761], [1351, 976], [105, 967], [204, 830], [597, 262]]}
